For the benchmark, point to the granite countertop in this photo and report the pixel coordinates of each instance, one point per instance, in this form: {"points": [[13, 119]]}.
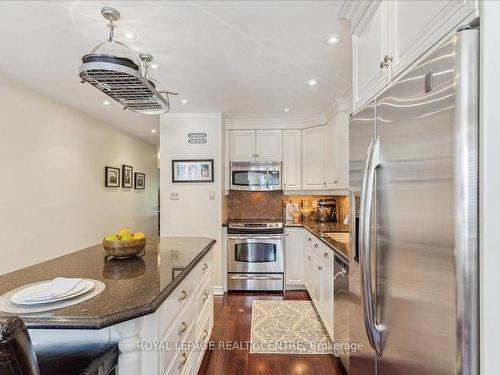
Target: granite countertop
{"points": [[134, 287], [316, 228]]}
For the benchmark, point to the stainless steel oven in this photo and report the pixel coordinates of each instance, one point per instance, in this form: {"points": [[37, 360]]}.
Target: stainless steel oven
{"points": [[255, 256], [256, 176]]}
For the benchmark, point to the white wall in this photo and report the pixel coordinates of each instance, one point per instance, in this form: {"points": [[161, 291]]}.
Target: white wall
{"points": [[193, 214], [52, 195], [490, 188]]}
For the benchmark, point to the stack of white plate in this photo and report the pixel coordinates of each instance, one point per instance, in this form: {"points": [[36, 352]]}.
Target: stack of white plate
{"points": [[56, 290]]}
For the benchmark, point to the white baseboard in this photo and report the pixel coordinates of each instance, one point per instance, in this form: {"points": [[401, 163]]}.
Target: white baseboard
{"points": [[218, 290]]}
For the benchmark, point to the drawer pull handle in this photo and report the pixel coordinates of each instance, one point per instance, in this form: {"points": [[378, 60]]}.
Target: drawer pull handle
{"points": [[183, 295], [204, 267], [182, 328], [320, 268], [205, 297], [326, 255], [316, 245], [205, 334], [183, 360]]}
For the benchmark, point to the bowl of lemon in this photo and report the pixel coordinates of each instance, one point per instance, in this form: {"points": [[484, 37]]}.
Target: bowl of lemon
{"points": [[124, 244]]}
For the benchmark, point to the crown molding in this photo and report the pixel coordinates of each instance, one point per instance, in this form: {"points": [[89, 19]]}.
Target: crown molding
{"points": [[353, 10], [339, 105], [249, 123]]}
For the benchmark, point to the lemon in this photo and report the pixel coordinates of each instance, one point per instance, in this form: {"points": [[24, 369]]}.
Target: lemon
{"points": [[123, 232], [139, 235], [111, 237], [126, 237]]}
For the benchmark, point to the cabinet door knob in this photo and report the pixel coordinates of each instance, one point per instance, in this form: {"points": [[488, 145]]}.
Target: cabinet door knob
{"points": [[182, 328], [205, 334], [309, 239], [382, 65], [316, 245], [204, 267], [182, 296], [326, 255], [320, 268], [309, 257], [183, 360], [205, 297]]}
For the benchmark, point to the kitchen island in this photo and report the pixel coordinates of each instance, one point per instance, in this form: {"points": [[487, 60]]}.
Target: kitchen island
{"points": [[145, 299]]}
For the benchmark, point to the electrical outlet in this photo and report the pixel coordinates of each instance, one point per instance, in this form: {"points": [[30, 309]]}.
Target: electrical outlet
{"points": [[212, 195], [174, 196]]}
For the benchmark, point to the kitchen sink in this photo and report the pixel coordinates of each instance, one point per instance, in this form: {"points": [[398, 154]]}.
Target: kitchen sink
{"points": [[342, 237]]}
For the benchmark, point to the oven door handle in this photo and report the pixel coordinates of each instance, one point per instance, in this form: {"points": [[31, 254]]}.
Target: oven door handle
{"points": [[232, 277], [254, 237]]}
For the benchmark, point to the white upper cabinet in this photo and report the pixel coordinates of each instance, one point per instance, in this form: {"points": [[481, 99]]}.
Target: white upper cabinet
{"points": [[255, 145], [370, 45], [313, 158], [391, 35], [292, 154], [337, 154], [414, 28], [242, 145], [268, 146]]}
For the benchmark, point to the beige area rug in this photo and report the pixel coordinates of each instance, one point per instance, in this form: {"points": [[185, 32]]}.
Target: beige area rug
{"points": [[287, 327]]}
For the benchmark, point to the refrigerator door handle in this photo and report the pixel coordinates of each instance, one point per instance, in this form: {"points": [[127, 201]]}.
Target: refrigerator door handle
{"points": [[373, 330]]}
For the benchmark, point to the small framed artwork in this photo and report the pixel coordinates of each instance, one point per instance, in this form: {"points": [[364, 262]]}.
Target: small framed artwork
{"points": [[139, 180], [192, 171], [127, 173], [111, 177]]}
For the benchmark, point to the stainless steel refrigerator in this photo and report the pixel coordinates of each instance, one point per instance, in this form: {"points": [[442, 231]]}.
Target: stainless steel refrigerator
{"points": [[413, 282]]}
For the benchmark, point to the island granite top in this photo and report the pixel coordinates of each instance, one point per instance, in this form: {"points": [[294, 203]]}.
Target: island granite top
{"points": [[134, 286]]}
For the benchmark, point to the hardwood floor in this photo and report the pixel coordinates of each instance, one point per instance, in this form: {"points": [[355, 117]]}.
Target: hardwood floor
{"points": [[233, 314]]}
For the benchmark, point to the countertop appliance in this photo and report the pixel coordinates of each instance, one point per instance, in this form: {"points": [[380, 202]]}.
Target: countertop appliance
{"points": [[255, 256], [256, 176], [413, 273], [341, 310], [327, 210]]}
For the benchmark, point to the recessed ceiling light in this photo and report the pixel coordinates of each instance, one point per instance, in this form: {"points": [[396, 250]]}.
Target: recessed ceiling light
{"points": [[287, 110], [153, 130], [312, 82], [332, 40], [184, 101], [155, 66], [130, 35], [106, 102]]}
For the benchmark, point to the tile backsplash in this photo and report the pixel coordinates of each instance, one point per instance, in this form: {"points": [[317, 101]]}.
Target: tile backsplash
{"points": [[269, 204]]}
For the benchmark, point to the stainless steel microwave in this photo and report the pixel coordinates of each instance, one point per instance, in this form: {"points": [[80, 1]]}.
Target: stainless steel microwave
{"points": [[256, 176]]}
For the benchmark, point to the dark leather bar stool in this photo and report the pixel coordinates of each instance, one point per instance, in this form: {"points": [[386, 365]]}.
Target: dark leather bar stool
{"points": [[17, 356]]}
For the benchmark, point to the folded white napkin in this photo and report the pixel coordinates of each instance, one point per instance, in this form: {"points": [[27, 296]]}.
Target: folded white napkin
{"points": [[47, 291]]}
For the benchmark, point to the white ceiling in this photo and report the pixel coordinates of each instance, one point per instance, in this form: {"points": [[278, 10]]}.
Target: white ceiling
{"points": [[246, 59]]}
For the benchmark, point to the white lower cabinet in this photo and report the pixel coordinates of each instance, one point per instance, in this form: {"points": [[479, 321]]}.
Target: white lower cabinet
{"points": [[318, 278], [182, 325], [294, 258]]}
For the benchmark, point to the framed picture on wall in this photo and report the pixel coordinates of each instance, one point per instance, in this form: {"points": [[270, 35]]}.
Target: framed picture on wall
{"points": [[139, 180], [192, 171], [111, 177], [127, 175]]}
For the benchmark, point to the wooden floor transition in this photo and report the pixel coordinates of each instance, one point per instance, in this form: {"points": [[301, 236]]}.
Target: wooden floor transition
{"points": [[233, 314]]}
